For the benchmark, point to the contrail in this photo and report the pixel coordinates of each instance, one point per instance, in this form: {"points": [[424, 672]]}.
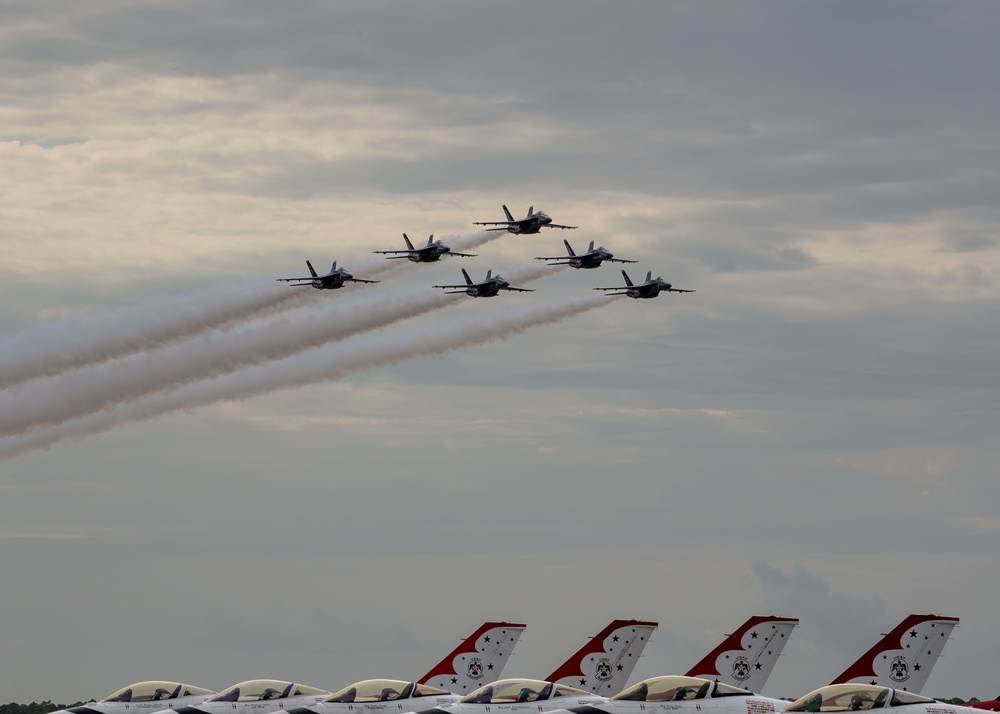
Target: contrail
{"points": [[51, 349], [86, 391], [327, 363]]}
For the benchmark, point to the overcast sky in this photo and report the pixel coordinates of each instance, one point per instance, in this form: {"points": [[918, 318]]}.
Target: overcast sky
{"points": [[813, 433]]}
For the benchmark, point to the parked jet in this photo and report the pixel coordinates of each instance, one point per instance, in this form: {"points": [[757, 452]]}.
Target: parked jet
{"points": [[425, 254], [532, 223], [858, 696], [255, 697], [649, 289], [331, 281], [604, 664], [905, 656], [144, 697], [591, 259], [746, 657], [489, 287], [680, 695]]}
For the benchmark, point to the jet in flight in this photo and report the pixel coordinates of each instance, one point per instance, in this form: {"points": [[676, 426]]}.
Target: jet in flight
{"points": [[144, 697], [489, 287], [331, 281], [861, 696], [904, 657], [424, 254], [649, 289], [746, 657], [591, 259], [532, 223]]}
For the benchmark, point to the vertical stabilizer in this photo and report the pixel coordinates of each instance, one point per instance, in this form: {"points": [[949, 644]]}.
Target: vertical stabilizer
{"points": [[478, 660], [489, 273], [430, 240], [649, 276], [507, 213], [628, 280], [468, 280], [904, 658], [531, 211], [409, 245], [569, 248], [591, 248], [604, 664], [746, 657], [312, 270]]}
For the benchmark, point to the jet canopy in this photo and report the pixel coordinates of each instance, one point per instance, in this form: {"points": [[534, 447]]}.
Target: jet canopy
{"points": [[155, 691], [854, 696], [506, 691], [675, 689], [383, 690], [258, 690]]}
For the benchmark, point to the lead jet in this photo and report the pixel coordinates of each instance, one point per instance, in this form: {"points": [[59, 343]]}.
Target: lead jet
{"points": [[144, 697], [904, 657], [489, 287], [649, 289], [591, 259], [331, 281], [424, 254], [532, 223], [746, 658]]}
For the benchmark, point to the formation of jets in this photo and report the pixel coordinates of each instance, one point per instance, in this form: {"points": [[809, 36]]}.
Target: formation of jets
{"points": [[492, 285], [591, 681]]}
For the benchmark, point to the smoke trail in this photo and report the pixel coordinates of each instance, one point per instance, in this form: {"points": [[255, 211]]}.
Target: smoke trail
{"points": [[329, 363], [52, 349], [86, 391]]}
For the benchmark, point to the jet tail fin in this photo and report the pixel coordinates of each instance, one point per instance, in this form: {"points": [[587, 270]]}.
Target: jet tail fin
{"points": [[746, 657], [312, 270], [531, 211], [569, 248], [489, 273], [409, 245], [430, 239], [509, 217], [604, 664], [649, 276], [628, 280], [478, 660], [468, 280], [904, 658]]}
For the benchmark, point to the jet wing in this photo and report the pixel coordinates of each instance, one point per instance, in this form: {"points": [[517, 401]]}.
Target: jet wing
{"points": [[462, 255], [619, 260], [360, 280], [287, 280], [387, 252], [519, 290], [493, 223], [678, 290], [556, 225], [449, 287], [555, 257]]}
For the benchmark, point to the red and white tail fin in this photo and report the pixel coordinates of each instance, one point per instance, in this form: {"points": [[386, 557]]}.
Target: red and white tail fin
{"points": [[904, 658], [746, 657], [604, 664], [478, 660]]}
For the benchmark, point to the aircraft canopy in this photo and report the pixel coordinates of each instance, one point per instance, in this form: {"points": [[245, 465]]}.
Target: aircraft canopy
{"points": [[258, 690], [506, 691], [155, 691], [675, 689], [383, 690], [854, 696]]}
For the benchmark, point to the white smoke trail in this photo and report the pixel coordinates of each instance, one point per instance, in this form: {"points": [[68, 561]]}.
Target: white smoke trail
{"points": [[55, 348], [86, 391], [328, 363]]}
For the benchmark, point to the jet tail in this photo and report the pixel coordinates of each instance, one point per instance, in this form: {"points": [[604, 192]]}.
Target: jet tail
{"points": [[312, 270], [509, 217], [604, 664], [746, 657], [409, 245], [904, 658], [569, 248], [430, 239], [628, 280], [468, 280], [478, 660]]}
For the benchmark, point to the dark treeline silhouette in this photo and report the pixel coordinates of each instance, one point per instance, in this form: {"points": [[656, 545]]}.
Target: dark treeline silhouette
{"points": [[35, 707]]}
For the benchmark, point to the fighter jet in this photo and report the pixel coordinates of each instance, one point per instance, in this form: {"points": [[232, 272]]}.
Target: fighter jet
{"points": [[532, 223], [425, 254], [649, 289], [862, 696], [904, 657], [144, 697], [591, 259], [331, 281], [489, 287], [254, 697]]}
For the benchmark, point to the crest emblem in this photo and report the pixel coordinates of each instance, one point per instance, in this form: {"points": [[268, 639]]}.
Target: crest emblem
{"points": [[899, 670], [475, 669], [741, 669], [603, 669]]}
